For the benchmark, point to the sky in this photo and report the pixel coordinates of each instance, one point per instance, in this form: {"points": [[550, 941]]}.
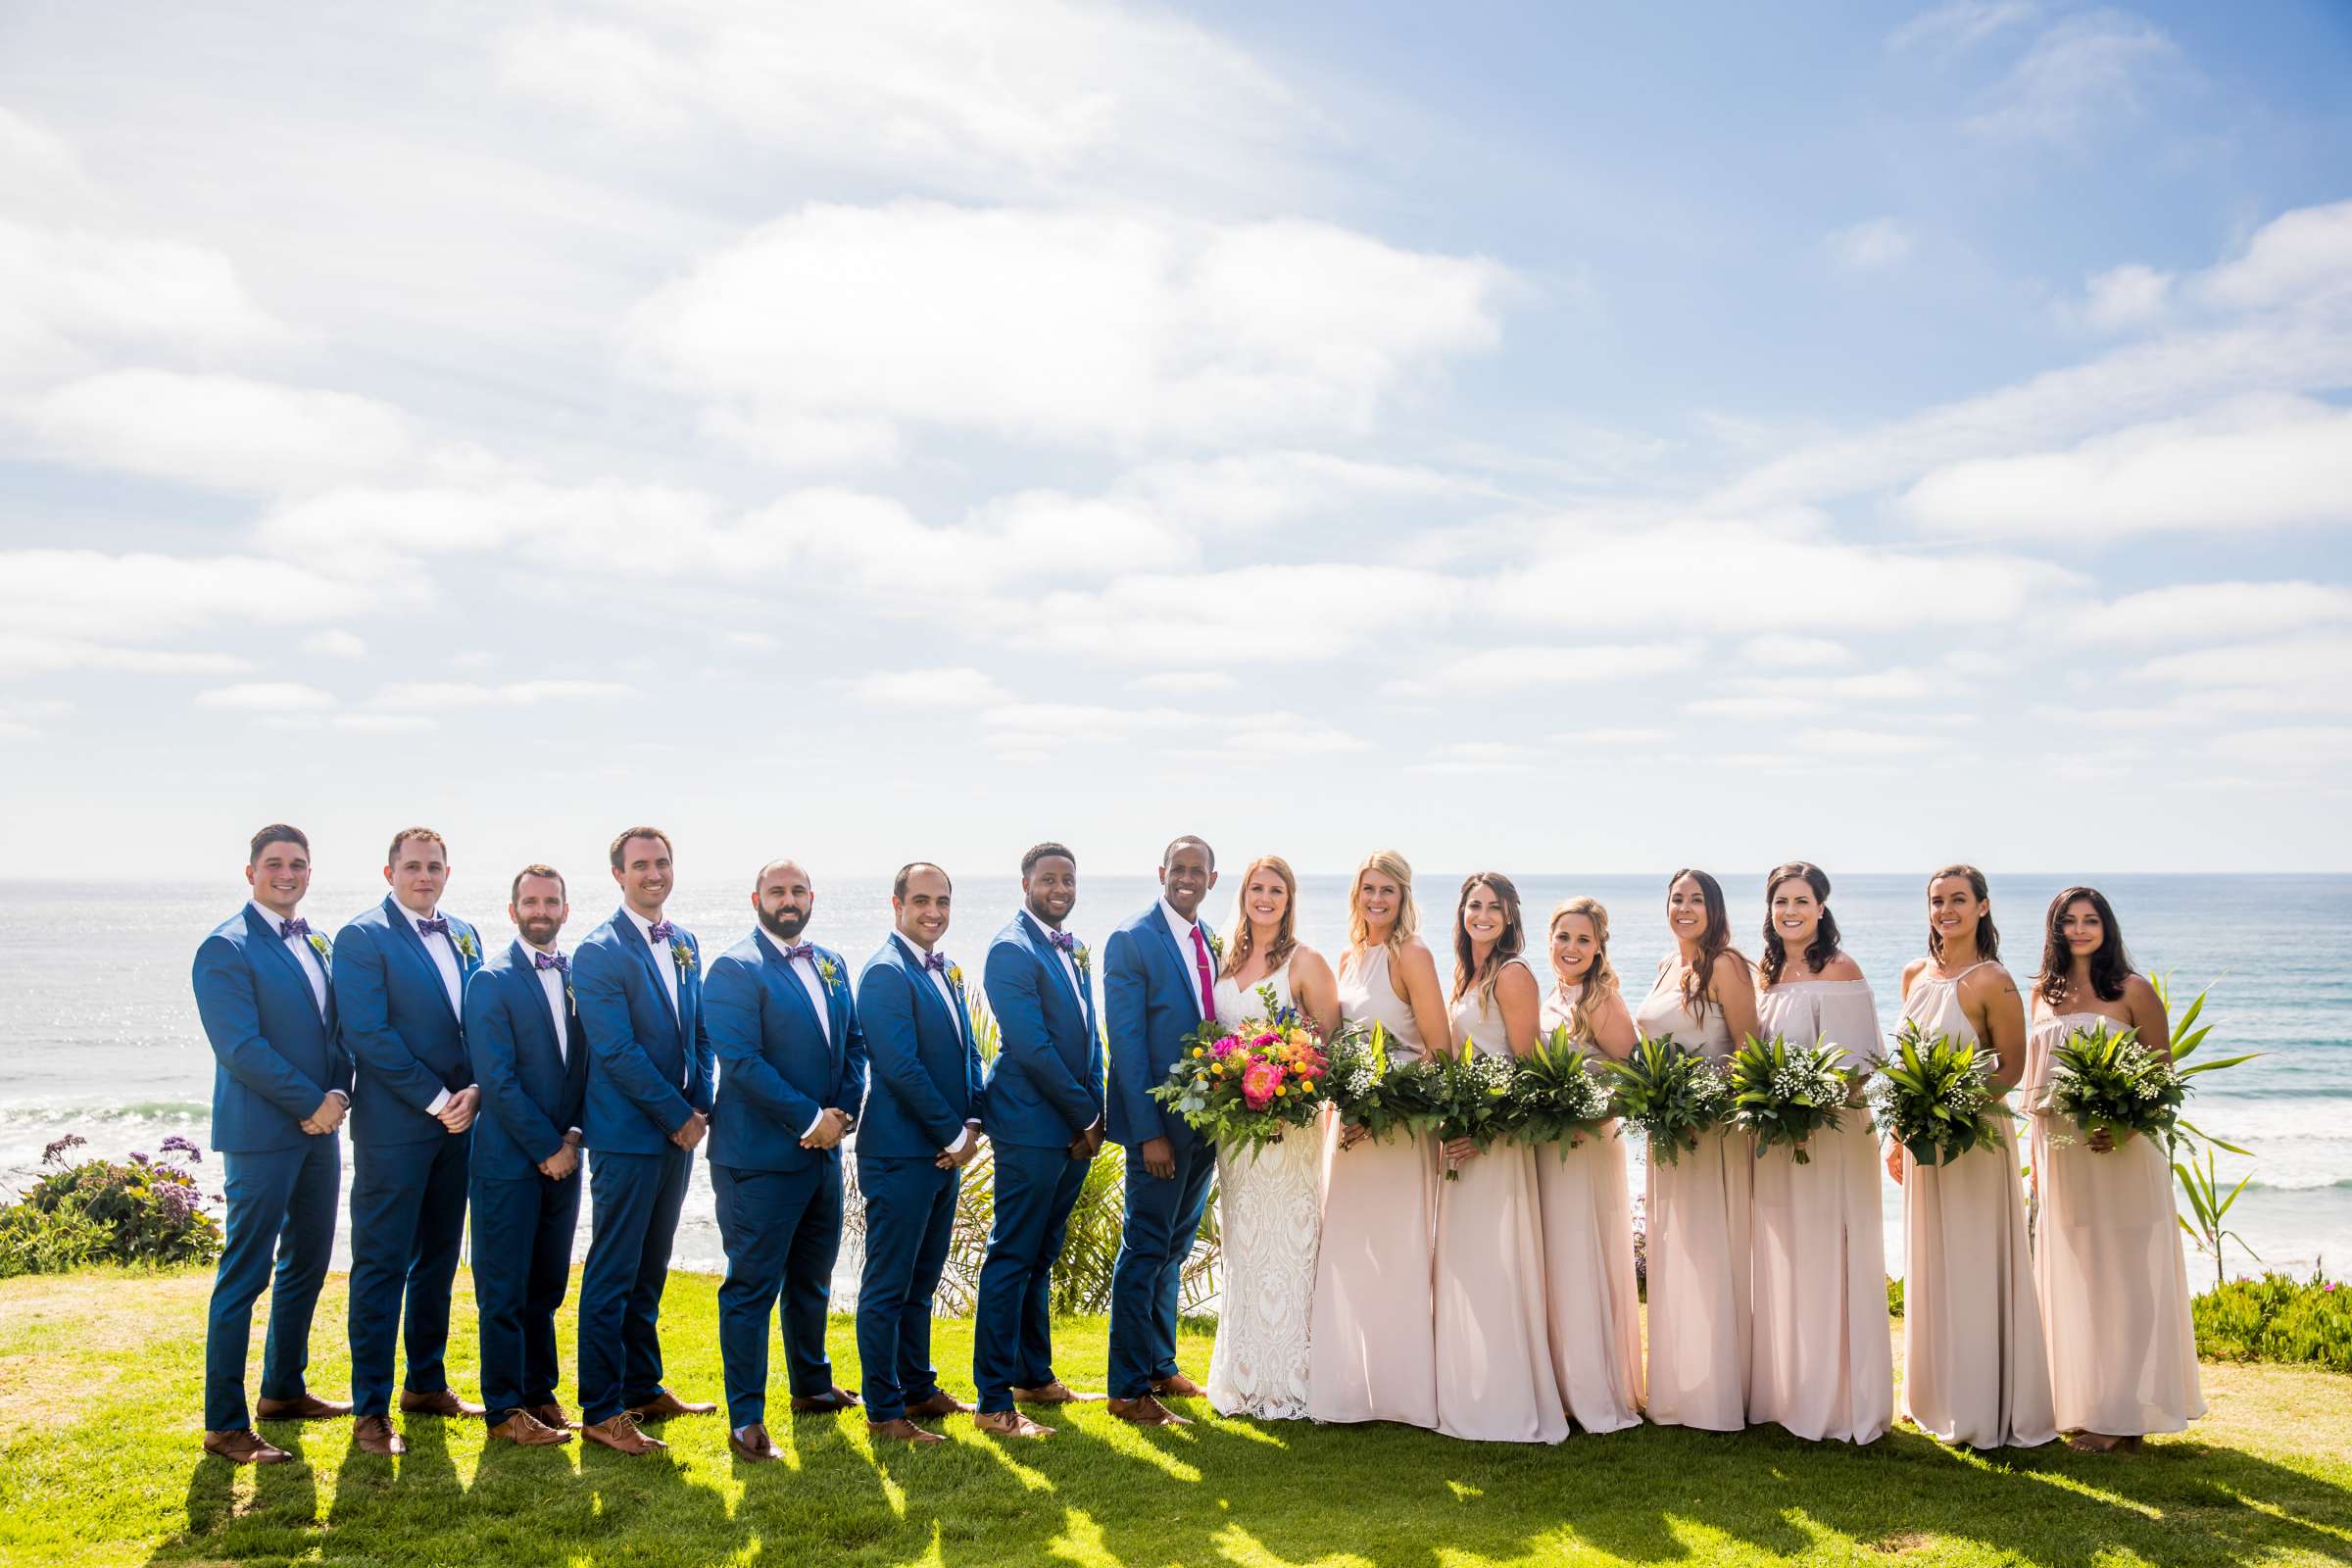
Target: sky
{"points": [[1539, 437]]}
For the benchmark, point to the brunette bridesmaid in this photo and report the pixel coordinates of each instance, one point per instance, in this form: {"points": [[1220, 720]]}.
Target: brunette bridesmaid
{"points": [[1592, 1299], [1976, 1370], [1371, 1347], [1495, 1382], [1822, 1355], [1700, 1327], [2114, 1285]]}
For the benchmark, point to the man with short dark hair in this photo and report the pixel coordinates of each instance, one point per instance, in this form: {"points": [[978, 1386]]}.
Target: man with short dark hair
{"points": [[280, 1086], [639, 983], [1159, 979], [920, 1127], [1043, 1117], [400, 993], [782, 1019], [523, 1035]]}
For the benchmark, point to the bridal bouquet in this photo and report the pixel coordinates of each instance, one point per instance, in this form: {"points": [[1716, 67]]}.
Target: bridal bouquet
{"points": [[1673, 1094], [1478, 1091], [1782, 1093], [1556, 1097], [1933, 1097], [1248, 1086]]}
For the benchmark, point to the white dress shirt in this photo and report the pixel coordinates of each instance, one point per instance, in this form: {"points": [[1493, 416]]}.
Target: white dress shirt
{"points": [[442, 946], [805, 971], [947, 994], [1182, 930], [663, 964], [551, 986], [1069, 967]]}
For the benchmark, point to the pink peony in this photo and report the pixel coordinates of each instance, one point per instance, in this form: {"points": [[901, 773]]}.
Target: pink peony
{"points": [[1225, 1047], [1258, 1081]]}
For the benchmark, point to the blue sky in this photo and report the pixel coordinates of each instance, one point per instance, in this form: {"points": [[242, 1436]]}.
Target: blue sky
{"points": [[1543, 437]]}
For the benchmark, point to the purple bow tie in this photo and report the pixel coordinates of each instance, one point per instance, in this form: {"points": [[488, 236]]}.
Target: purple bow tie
{"points": [[289, 929], [660, 931], [552, 961], [801, 950], [935, 960], [1062, 940], [433, 925]]}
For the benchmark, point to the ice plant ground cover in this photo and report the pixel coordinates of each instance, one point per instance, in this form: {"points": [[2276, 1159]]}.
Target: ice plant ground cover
{"points": [[99, 1469]]}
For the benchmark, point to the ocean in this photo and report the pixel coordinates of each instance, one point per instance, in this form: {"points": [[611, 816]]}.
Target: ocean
{"points": [[102, 1040]]}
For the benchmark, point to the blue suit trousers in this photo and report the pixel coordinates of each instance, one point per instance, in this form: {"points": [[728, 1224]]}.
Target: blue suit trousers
{"points": [[281, 1210], [407, 1226], [1163, 1214], [1012, 1328], [634, 1201], [909, 1222], [782, 1231], [522, 1231]]}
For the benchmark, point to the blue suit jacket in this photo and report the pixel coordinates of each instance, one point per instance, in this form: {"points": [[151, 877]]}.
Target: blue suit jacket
{"points": [[1151, 1003], [649, 1067], [405, 1040], [531, 1090], [781, 1069], [926, 1065], [1046, 1086], [274, 1057]]}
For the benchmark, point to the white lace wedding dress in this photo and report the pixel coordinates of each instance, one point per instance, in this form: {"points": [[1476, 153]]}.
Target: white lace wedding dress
{"points": [[1269, 1220]]}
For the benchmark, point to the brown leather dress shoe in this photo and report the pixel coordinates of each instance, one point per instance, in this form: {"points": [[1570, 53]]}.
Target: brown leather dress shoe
{"points": [[1009, 1424], [551, 1414], [1177, 1386], [310, 1408], [374, 1434], [1147, 1411], [526, 1429], [244, 1445], [620, 1435], [443, 1402], [1053, 1393], [831, 1402], [903, 1430], [662, 1406], [754, 1444], [941, 1403]]}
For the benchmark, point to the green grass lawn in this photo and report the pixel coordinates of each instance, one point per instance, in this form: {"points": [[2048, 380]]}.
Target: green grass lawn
{"points": [[100, 1376]]}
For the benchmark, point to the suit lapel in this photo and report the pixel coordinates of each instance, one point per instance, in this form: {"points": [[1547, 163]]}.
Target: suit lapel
{"points": [[528, 963], [626, 930], [1186, 974], [269, 937], [788, 982], [925, 992], [405, 931]]}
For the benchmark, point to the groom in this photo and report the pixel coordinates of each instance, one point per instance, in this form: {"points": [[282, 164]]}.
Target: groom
{"points": [[1159, 986]]}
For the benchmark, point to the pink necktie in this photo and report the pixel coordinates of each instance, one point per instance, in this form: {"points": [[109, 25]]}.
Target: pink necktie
{"points": [[1209, 976]]}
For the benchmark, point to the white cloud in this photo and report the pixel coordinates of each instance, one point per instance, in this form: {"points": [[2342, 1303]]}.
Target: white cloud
{"points": [[2300, 257], [50, 656], [513, 694], [1780, 651], [2260, 463], [222, 433], [1264, 489], [1612, 737], [1511, 669], [2202, 612], [1956, 26], [1182, 681], [2126, 296], [334, 643], [1082, 327], [2084, 69], [1870, 245], [961, 687], [2289, 663], [1754, 708], [1830, 742], [69, 290], [141, 597], [1248, 615], [266, 697]]}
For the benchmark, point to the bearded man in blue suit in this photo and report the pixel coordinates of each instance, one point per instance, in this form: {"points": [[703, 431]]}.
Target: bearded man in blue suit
{"points": [[523, 1032], [1159, 978], [639, 982], [920, 1127], [280, 1086], [1044, 1117], [783, 1023], [400, 992]]}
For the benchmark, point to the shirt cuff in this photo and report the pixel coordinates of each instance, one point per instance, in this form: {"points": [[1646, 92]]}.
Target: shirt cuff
{"points": [[812, 1126], [574, 1131], [439, 1102], [963, 1138], [1091, 1125], [341, 1094]]}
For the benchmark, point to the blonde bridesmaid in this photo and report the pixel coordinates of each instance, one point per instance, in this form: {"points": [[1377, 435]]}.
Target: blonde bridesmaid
{"points": [[1700, 1327], [1592, 1299], [1495, 1382], [1976, 1370], [2114, 1285], [1822, 1355], [1371, 1347]]}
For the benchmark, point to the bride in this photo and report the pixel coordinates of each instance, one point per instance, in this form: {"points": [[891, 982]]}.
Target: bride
{"points": [[1270, 1201]]}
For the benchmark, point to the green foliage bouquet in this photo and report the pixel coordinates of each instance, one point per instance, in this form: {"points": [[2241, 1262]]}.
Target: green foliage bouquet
{"points": [[1934, 1097], [1478, 1099], [1409, 1096], [1673, 1094], [1784, 1093], [2104, 1079], [1556, 1096]]}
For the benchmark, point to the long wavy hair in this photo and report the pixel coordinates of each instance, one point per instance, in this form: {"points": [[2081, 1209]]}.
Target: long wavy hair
{"points": [[2109, 966], [1714, 941], [1468, 973], [1824, 946], [1395, 867], [1989, 938], [1600, 980], [1278, 951]]}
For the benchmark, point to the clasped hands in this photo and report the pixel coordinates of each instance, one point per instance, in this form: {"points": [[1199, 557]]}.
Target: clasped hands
{"points": [[1088, 1144], [957, 1158], [831, 1127], [565, 1161], [332, 1108]]}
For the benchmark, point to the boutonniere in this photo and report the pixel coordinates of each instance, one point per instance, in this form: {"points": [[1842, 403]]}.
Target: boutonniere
{"points": [[681, 955], [467, 947], [956, 975], [319, 945], [571, 998], [1083, 959], [829, 972], [1216, 947]]}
